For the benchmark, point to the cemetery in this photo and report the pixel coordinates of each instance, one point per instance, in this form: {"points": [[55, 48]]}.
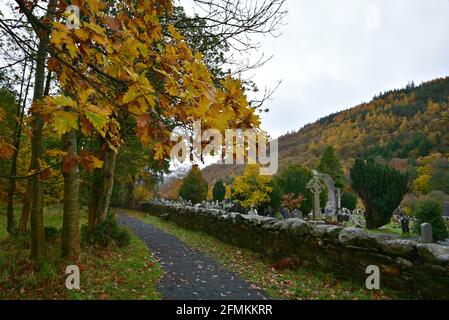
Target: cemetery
{"points": [[406, 263], [223, 150]]}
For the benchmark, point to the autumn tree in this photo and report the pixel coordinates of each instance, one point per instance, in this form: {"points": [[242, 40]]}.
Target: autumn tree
{"points": [[251, 189], [381, 189], [118, 62]]}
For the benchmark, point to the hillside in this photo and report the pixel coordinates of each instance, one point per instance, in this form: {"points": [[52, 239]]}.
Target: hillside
{"points": [[399, 126]]}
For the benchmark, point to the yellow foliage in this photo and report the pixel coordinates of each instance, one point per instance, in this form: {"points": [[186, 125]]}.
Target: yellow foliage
{"points": [[251, 189], [421, 184], [140, 193]]}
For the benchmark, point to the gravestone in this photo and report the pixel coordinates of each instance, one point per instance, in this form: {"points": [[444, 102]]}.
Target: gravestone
{"points": [[316, 187], [237, 207], [446, 209], [269, 212], [296, 214], [284, 213], [343, 217], [404, 220], [426, 233], [253, 212]]}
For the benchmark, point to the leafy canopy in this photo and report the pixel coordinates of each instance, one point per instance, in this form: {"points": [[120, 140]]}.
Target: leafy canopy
{"points": [[121, 62]]}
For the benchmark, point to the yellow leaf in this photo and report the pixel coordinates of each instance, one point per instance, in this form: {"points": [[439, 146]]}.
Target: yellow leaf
{"points": [[64, 121]]}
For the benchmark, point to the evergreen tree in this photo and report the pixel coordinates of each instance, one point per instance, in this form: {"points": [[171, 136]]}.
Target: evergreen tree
{"points": [[381, 189], [294, 180], [330, 164], [194, 187], [348, 200], [219, 191], [431, 211]]}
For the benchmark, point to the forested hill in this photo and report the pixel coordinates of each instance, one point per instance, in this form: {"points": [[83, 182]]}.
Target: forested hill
{"points": [[406, 124]]}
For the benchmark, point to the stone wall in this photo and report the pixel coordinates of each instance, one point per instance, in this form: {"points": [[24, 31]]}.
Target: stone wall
{"points": [[422, 269]]}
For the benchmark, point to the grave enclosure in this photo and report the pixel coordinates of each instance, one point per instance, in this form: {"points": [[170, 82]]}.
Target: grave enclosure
{"points": [[420, 269]]}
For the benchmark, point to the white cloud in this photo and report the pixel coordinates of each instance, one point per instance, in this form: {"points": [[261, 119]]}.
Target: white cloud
{"points": [[329, 60]]}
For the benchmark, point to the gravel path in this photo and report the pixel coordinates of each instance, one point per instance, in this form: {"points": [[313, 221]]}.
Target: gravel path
{"points": [[189, 274]]}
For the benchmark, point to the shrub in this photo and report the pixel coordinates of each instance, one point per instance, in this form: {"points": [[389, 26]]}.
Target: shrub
{"points": [[381, 189], [219, 191], [348, 200], [290, 202], [429, 211], [106, 233]]}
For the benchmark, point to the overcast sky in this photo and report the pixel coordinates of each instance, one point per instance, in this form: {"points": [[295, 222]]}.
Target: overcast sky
{"points": [[335, 54]]}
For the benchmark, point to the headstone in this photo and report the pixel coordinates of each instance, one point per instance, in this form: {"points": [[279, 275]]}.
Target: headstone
{"points": [[253, 212], [426, 233], [284, 213], [404, 220], [340, 217], [269, 212], [237, 207], [296, 214], [446, 209]]}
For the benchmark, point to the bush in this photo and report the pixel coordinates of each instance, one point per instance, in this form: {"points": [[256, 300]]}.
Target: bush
{"points": [[106, 233], [219, 191], [348, 200], [429, 211]]}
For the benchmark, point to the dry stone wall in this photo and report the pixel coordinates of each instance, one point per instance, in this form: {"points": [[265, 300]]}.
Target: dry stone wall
{"points": [[422, 269]]}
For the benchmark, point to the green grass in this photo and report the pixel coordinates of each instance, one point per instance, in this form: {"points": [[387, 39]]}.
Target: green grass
{"points": [[280, 284], [106, 273]]}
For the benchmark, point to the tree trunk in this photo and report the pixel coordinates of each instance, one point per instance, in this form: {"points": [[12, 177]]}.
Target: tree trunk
{"points": [[95, 190], [21, 104], [26, 207], [70, 227], [11, 221], [37, 213], [108, 171]]}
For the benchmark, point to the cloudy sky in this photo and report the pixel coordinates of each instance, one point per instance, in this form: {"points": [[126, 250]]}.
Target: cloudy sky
{"points": [[333, 55]]}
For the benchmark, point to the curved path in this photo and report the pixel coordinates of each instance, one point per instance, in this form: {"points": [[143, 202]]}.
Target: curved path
{"points": [[189, 274]]}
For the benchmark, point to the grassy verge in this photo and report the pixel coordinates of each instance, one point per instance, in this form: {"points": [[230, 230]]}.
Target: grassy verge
{"points": [[280, 284], [106, 273]]}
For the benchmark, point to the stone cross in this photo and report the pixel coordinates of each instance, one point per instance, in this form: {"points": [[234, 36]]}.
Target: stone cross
{"points": [[426, 233], [316, 187]]}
